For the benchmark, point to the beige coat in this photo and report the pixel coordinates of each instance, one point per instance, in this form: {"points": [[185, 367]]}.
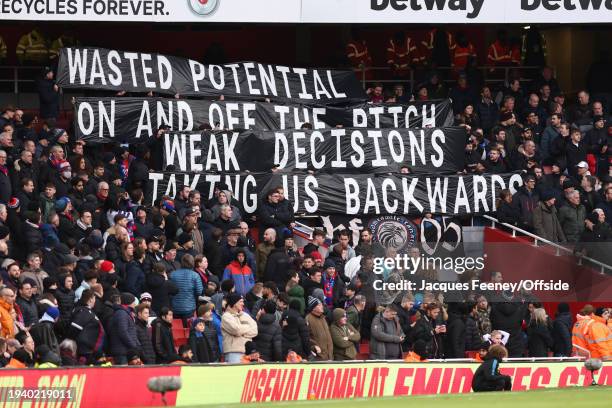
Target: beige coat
{"points": [[237, 329]]}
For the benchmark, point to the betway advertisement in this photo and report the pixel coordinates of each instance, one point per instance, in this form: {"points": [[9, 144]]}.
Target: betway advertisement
{"points": [[109, 387], [312, 11]]}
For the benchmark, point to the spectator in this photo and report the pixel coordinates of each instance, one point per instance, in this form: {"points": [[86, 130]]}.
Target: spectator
{"points": [[240, 273], [48, 93], [545, 221], [237, 328], [147, 353], [161, 336], [387, 335], [269, 334], [27, 303], [296, 336], [43, 332], [212, 331], [487, 110], [562, 332], [86, 328], [538, 334], [354, 312], [122, 329], [429, 330], [90, 279], [275, 212], [572, 216], [198, 342], [366, 244], [487, 377], [344, 336], [161, 288], [320, 337], [333, 286], [525, 201], [189, 287], [507, 316]]}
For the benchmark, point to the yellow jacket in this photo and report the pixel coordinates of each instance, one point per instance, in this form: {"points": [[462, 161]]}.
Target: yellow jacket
{"points": [[32, 47]]}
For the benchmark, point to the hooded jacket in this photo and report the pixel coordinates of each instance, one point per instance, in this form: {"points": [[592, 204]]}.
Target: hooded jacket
{"points": [[344, 337], [241, 274], [546, 223], [269, 338]]}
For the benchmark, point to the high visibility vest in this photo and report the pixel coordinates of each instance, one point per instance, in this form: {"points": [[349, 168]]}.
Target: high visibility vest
{"points": [[32, 48], [515, 55], [61, 42], [402, 55], [462, 54], [3, 49], [600, 339], [498, 54], [357, 52], [580, 334]]}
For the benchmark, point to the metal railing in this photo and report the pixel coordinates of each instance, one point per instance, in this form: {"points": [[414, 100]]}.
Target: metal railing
{"points": [[558, 248], [486, 71]]}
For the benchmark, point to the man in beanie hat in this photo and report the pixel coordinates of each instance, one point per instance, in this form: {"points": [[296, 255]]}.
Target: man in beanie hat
{"points": [[122, 329], [320, 337], [597, 142], [344, 336], [545, 220], [237, 328], [43, 332], [333, 285]]}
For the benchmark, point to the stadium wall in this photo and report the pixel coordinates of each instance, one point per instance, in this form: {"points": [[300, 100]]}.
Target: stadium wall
{"points": [[215, 384]]}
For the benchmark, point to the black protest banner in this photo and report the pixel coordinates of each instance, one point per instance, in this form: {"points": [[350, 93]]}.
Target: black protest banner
{"points": [[349, 150], [134, 120], [98, 68], [350, 194]]}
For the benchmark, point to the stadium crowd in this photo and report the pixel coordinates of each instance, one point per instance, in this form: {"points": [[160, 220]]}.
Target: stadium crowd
{"points": [[90, 275]]}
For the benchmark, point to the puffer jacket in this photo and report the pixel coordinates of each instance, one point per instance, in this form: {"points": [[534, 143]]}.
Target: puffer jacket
{"points": [[122, 331], [237, 329], [242, 275], [572, 221], [189, 287], [562, 335], [269, 338], [296, 334], [65, 301], [163, 342], [147, 353]]}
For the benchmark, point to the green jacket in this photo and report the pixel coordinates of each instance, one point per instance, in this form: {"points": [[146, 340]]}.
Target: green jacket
{"points": [[344, 339], [297, 293]]}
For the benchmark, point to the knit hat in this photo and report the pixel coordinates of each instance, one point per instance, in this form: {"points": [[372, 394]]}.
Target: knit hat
{"points": [[53, 312], [329, 263], [106, 266], [184, 238], [338, 314], [95, 239], [546, 195], [108, 157], [57, 133], [195, 322], [61, 204], [21, 355], [583, 165], [233, 298], [597, 118], [316, 255], [127, 299], [568, 184], [146, 296], [319, 294], [313, 302], [13, 203]]}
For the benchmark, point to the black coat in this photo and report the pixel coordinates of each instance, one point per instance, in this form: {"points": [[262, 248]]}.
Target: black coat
{"points": [[44, 333], [296, 336], [122, 332], [29, 310], [6, 188], [424, 330], [508, 317], [455, 337], [488, 378], [213, 341], [473, 340], [525, 203], [200, 347], [508, 214], [277, 216], [49, 98], [277, 267], [87, 330], [562, 335], [147, 353], [65, 302], [163, 342], [539, 340], [269, 338], [161, 291]]}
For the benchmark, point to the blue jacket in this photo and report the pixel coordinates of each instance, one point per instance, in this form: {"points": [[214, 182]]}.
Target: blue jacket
{"points": [[122, 331], [242, 275], [190, 287]]}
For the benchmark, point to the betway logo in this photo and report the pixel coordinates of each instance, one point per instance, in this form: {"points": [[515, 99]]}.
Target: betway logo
{"points": [[472, 7], [531, 5]]}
